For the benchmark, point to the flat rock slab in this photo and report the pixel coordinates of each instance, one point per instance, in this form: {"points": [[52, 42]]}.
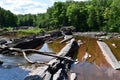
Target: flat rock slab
{"points": [[109, 55]]}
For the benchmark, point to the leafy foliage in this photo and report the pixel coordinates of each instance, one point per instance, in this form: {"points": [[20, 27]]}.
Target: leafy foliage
{"points": [[31, 31], [90, 15], [7, 18]]}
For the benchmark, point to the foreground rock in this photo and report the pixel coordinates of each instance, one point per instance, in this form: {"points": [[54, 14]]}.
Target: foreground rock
{"points": [[56, 69], [30, 44], [22, 43]]}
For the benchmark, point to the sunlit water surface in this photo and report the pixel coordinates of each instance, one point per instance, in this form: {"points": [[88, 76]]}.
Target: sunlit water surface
{"points": [[16, 67]]}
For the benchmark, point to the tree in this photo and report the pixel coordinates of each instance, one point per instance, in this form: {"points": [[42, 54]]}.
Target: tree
{"points": [[90, 15], [77, 14], [7, 19], [26, 20]]}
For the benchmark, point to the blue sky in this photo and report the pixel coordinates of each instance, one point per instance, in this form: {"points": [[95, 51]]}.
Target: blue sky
{"points": [[28, 6]]}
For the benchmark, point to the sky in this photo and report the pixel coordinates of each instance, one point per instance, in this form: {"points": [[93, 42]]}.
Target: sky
{"points": [[28, 6]]}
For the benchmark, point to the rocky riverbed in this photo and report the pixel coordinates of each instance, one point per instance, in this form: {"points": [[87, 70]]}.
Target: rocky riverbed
{"points": [[92, 63]]}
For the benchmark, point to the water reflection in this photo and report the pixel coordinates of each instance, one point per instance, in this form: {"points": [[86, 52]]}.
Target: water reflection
{"points": [[12, 60], [16, 67], [45, 48], [97, 70], [40, 58], [90, 71], [10, 70], [19, 60], [15, 73]]}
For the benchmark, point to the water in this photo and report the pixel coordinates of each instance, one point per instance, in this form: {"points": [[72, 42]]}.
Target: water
{"points": [[10, 69], [14, 73], [90, 71], [46, 48], [16, 67], [41, 58]]}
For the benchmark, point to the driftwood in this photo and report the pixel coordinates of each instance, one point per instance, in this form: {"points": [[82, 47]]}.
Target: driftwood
{"points": [[58, 68], [10, 50], [23, 51]]}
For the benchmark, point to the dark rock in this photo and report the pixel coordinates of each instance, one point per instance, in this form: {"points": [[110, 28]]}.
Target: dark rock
{"points": [[17, 40], [56, 34], [3, 42], [21, 43], [67, 31], [4, 51], [34, 77], [57, 69], [30, 44], [1, 62]]}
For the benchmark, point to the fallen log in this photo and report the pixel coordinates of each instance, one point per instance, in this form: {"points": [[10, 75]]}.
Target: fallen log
{"points": [[39, 52], [23, 51], [56, 66]]}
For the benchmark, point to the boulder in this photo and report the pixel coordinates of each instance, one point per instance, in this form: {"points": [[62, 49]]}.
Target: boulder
{"points": [[30, 44], [3, 42], [55, 34], [67, 31]]}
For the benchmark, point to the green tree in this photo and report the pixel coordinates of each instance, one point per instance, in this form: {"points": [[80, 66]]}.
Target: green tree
{"points": [[7, 19], [77, 14]]}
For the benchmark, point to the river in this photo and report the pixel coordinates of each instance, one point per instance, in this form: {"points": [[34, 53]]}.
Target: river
{"points": [[16, 67], [95, 68]]}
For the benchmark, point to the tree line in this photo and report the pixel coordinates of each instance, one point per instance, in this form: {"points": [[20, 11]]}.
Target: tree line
{"points": [[7, 18], [90, 15]]}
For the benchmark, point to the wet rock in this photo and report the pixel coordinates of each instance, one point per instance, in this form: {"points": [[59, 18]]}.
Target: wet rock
{"points": [[3, 42], [55, 34], [1, 62], [4, 51], [67, 31], [30, 44], [34, 77], [58, 68], [22, 44]]}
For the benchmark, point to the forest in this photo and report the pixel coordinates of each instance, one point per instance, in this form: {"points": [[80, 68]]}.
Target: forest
{"points": [[90, 15]]}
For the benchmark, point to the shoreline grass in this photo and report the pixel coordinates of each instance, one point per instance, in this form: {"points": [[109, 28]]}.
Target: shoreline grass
{"points": [[35, 31]]}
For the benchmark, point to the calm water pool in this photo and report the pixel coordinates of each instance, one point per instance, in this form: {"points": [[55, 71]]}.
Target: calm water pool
{"points": [[16, 67]]}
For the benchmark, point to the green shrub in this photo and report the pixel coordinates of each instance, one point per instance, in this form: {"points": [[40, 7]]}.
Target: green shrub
{"points": [[36, 31]]}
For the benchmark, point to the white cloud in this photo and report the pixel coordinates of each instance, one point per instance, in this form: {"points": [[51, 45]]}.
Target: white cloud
{"points": [[80, 0], [27, 6], [24, 6]]}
